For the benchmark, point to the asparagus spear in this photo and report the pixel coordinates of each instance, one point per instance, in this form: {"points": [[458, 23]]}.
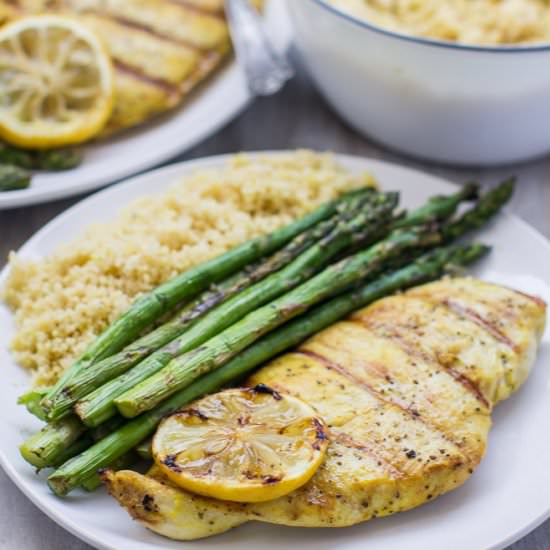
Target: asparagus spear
{"points": [[97, 406], [44, 447], [107, 427], [104, 452], [146, 309], [487, 206], [60, 440], [221, 348], [79, 446], [13, 178], [439, 207], [15, 157], [55, 160], [88, 379]]}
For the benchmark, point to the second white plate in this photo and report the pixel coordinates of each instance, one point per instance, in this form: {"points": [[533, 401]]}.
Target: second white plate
{"points": [[218, 101], [505, 498]]}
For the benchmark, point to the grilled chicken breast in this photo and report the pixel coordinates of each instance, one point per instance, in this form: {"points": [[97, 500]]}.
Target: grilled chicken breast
{"points": [[161, 49], [406, 387]]}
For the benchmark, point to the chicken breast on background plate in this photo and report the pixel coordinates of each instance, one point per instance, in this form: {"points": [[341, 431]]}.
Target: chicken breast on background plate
{"points": [[161, 49], [406, 386]]}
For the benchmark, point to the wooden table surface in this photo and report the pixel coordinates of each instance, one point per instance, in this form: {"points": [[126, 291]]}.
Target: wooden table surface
{"points": [[295, 118]]}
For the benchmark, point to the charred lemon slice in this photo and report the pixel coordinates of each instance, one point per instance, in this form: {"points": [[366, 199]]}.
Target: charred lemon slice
{"points": [[245, 445], [56, 82]]}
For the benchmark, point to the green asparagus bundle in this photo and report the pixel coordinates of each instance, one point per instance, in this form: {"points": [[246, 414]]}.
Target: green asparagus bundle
{"points": [[105, 403], [484, 209], [150, 307], [182, 370], [98, 405], [381, 207], [126, 438], [87, 379]]}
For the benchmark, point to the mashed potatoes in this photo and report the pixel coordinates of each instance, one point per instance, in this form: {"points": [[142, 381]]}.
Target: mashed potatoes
{"points": [[62, 301], [489, 22]]}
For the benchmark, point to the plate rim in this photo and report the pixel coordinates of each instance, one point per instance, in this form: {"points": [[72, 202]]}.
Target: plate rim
{"points": [[170, 173]]}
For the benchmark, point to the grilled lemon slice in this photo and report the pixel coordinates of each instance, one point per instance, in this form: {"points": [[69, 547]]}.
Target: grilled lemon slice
{"points": [[56, 82], [245, 445]]}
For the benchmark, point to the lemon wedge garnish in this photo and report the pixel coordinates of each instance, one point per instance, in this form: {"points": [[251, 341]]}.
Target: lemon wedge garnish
{"points": [[244, 445], [56, 82]]}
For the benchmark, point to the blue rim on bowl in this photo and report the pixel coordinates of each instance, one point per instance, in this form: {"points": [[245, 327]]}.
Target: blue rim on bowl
{"points": [[523, 48]]}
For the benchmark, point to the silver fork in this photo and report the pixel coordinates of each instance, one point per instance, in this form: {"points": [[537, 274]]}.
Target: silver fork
{"points": [[266, 70]]}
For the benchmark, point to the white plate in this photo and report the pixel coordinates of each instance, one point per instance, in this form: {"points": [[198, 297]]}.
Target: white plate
{"points": [[505, 499], [218, 101]]}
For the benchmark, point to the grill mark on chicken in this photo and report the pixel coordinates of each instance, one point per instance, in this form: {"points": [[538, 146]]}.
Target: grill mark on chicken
{"points": [[171, 90], [482, 322], [535, 299], [500, 308], [149, 30], [391, 334], [131, 24], [412, 413]]}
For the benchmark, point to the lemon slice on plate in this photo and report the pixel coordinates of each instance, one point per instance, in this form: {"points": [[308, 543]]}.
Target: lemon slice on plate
{"points": [[56, 82], [245, 445]]}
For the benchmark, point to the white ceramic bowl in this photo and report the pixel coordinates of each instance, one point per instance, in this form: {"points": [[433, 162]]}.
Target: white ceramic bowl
{"points": [[441, 101]]}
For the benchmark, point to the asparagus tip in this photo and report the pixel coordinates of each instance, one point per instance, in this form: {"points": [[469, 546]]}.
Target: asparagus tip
{"points": [[508, 187], [470, 191]]}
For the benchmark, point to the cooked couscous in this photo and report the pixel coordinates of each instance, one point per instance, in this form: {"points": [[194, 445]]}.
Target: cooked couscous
{"points": [[468, 21], [62, 301]]}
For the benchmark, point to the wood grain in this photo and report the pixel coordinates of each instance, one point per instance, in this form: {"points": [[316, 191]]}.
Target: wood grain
{"points": [[296, 118]]}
